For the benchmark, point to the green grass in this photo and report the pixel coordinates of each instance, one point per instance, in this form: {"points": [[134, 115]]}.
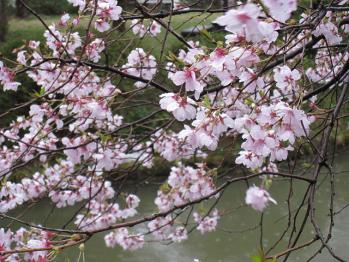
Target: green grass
{"points": [[120, 45], [22, 30]]}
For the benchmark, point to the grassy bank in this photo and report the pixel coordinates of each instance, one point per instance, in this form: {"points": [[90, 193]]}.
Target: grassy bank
{"points": [[119, 46]]}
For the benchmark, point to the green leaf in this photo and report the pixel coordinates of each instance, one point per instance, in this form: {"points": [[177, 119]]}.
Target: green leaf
{"points": [[257, 258], [213, 172], [173, 58], [105, 138], [220, 44], [307, 165], [165, 187], [248, 101], [206, 102], [261, 258], [267, 182], [207, 34], [40, 93]]}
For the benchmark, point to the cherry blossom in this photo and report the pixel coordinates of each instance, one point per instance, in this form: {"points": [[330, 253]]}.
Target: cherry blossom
{"points": [[323, 65], [286, 79], [138, 28], [80, 3], [106, 10], [39, 255], [186, 184], [155, 28], [182, 108], [252, 83], [141, 65], [188, 77], [64, 19], [180, 234], [102, 25], [6, 238], [124, 239], [258, 198], [259, 141], [172, 146], [249, 159], [6, 78], [329, 31], [244, 19], [207, 223], [94, 49], [280, 9], [250, 93]]}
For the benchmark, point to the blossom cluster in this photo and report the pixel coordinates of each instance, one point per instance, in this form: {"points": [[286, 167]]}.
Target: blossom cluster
{"points": [[185, 184], [23, 238], [142, 65], [74, 129], [106, 11], [6, 78], [140, 29]]}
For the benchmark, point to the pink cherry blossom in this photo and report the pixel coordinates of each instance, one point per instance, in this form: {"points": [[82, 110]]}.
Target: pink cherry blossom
{"points": [[207, 223], [182, 108], [21, 58], [180, 234], [329, 31], [94, 49], [7, 77], [80, 3], [286, 79], [140, 64], [109, 9], [138, 28], [102, 25], [6, 238], [132, 201], [258, 198], [252, 83], [188, 77], [186, 184], [155, 28], [37, 255], [249, 159], [64, 19], [254, 102], [245, 19], [259, 141], [217, 58], [281, 9], [122, 238]]}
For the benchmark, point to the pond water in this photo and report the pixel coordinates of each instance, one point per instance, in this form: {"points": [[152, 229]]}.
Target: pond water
{"points": [[237, 236]]}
